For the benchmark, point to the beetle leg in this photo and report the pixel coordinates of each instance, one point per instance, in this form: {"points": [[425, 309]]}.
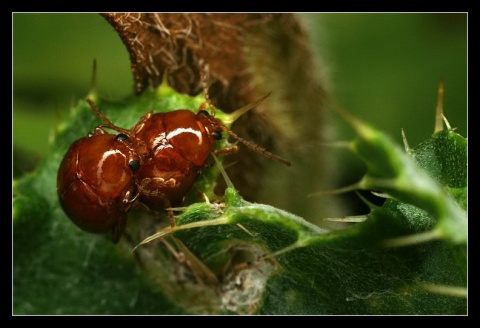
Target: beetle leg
{"points": [[232, 149], [145, 188], [118, 229], [199, 269], [171, 217], [129, 200], [98, 131], [202, 106], [140, 124]]}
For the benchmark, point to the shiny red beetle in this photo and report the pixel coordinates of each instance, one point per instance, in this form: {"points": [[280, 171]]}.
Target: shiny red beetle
{"points": [[156, 163], [179, 143], [96, 180]]}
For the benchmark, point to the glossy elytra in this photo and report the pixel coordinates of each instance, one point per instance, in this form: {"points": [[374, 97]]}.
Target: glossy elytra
{"points": [[96, 180], [180, 143], [103, 176]]}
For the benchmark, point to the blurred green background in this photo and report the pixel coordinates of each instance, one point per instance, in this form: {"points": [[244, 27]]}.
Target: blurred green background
{"points": [[384, 68]]}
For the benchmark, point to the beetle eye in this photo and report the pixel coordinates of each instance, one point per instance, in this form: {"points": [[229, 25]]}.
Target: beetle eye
{"points": [[203, 113], [122, 137], [217, 135], [134, 165]]}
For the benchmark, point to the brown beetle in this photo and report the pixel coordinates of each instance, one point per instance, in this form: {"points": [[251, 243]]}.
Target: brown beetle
{"points": [[156, 163], [96, 180], [179, 143]]}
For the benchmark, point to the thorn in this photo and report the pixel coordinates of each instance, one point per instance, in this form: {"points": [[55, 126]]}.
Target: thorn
{"points": [[157, 235], [359, 218], [454, 291], [169, 230], [206, 198], [337, 191], [405, 142], [196, 265], [413, 239], [447, 124], [380, 194], [439, 110], [232, 117], [366, 201], [245, 229], [93, 93], [222, 171]]}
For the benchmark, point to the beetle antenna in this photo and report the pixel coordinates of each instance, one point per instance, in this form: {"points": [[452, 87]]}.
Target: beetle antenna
{"points": [[232, 117], [259, 149], [204, 76], [93, 83], [108, 123]]}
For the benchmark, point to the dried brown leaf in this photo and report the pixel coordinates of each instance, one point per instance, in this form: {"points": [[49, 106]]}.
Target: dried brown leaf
{"points": [[182, 43], [247, 55]]}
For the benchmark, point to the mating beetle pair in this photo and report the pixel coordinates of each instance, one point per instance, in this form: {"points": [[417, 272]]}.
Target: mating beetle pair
{"points": [[103, 176]]}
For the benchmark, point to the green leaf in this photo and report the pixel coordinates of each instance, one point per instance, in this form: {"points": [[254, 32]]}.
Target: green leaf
{"points": [[59, 269], [235, 257]]}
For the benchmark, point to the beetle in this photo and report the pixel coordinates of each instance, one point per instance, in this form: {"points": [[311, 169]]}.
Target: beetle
{"points": [[180, 143], [154, 165], [96, 180]]}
